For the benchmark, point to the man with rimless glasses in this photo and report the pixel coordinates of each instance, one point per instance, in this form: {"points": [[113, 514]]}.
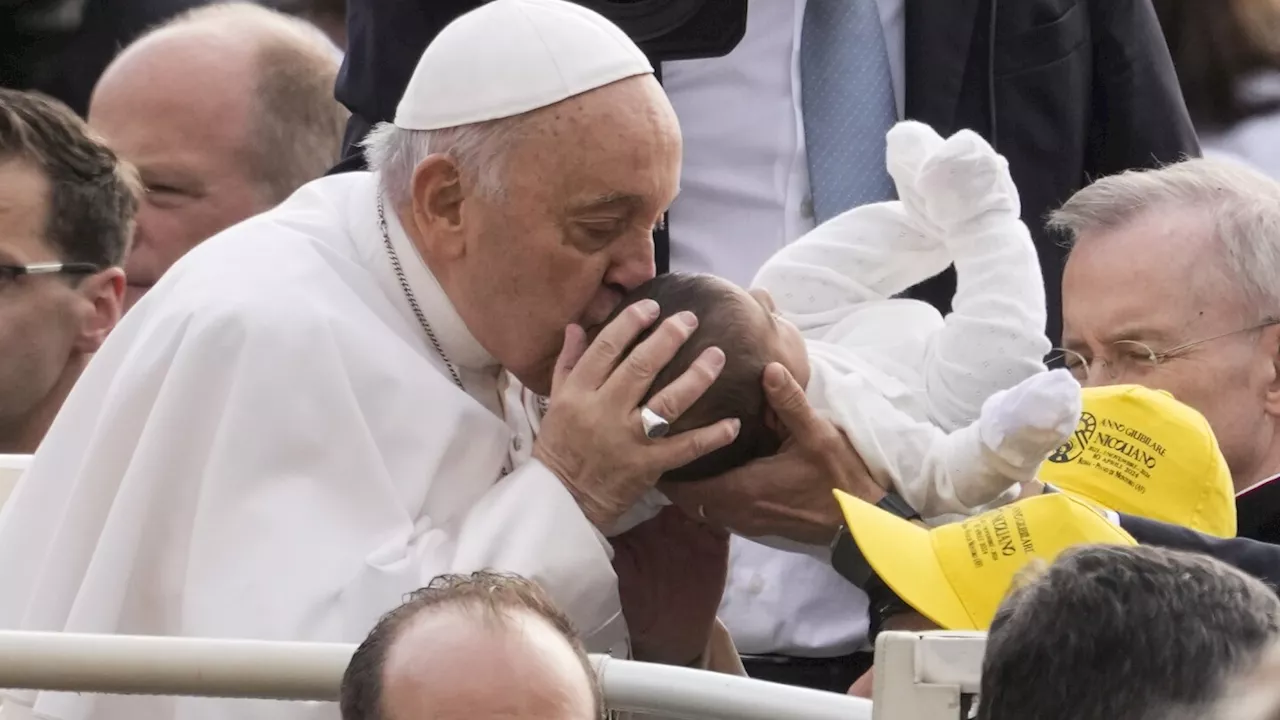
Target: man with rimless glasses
{"points": [[1173, 282], [66, 215]]}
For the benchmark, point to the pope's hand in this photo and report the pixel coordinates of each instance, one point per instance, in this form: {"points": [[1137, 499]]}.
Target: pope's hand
{"points": [[788, 494], [671, 575], [592, 437]]}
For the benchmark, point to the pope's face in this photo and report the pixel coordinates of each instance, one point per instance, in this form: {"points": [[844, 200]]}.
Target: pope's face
{"points": [[571, 230]]}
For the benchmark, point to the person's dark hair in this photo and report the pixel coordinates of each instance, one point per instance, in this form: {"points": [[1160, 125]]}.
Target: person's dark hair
{"points": [[723, 322], [1138, 633], [93, 195], [1216, 47], [497, 596]]}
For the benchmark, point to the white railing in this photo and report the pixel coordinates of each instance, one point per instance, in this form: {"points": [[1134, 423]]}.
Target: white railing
{"points": [[116, 664], [922, 676]]}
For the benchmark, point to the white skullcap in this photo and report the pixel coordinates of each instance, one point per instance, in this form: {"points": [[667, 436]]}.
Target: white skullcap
{"points": [[508, 57]]}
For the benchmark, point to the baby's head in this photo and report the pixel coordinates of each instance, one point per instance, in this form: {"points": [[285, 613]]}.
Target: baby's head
{"points": [[743, 325]]}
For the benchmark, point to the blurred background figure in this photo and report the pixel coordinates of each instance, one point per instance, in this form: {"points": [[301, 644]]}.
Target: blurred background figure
{"points": [[1137, 633], [60, 47], [1254, 695], [444, 652], [1227, 55], [225, 111], [328, 15], [66, 214]]}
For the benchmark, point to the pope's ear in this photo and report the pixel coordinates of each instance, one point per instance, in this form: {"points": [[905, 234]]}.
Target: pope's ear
{"points": [[437, 191], [1271, 345]]}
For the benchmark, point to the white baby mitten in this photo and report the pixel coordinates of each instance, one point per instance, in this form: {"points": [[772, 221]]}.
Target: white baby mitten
{"points": [[964, 186], [1025, 423]]}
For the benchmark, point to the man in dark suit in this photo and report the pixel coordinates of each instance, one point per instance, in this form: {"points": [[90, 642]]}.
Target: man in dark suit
{"points": [[1067, 90], [61, 47]]}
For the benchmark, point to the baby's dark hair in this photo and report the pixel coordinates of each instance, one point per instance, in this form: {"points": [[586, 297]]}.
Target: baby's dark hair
{"points": [[724, 322]]}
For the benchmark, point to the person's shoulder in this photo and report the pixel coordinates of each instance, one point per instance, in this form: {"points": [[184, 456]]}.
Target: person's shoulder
{"points": [[291, 268]]}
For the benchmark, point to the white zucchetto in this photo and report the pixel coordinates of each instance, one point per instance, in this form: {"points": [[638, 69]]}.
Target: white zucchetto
{"points": [[508, 57]]}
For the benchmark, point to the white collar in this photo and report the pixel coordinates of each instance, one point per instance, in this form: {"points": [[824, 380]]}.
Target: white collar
{"points": [[455, 338]]}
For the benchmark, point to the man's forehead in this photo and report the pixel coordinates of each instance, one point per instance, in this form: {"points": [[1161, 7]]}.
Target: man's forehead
{"points": [[1151, 279]]}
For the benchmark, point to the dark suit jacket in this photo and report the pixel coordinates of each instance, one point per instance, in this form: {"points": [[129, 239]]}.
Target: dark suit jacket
{"points": [[1067, 90], [1079, 89], [67, 62], [1259, 559]]}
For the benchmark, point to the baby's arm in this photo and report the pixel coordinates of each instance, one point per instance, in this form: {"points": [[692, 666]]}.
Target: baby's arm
{"points": [[994, 336], [954, 473]]}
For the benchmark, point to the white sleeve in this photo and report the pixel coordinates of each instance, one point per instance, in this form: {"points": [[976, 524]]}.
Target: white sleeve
{"points": [[869, 253], [936, 472]]}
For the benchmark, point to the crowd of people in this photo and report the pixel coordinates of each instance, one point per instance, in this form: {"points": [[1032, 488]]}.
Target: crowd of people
{"points": [[487, 335]]}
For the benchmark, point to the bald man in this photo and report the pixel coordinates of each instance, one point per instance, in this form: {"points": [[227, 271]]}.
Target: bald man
{"points": [[225, 111], [476, 647]]}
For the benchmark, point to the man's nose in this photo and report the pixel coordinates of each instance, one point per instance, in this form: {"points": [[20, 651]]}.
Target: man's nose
{"points": [[634, 265]]}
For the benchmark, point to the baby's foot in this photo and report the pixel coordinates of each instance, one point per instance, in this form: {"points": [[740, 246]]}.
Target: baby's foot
{"points": [[1024, 424], [910, 145], [965, 182]]}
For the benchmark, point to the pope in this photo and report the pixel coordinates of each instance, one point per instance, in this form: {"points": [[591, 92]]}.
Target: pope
{"points": [[322, 408]]}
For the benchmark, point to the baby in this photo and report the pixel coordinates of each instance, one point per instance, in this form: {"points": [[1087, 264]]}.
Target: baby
{"points": [[951, 413]]}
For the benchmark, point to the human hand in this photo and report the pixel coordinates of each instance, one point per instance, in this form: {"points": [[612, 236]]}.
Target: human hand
{"points": [[671, 576], [788, 494], [591, 436]]}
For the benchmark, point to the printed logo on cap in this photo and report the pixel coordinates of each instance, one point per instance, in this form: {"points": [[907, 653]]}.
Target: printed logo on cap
{"points": [[1124, 452]]}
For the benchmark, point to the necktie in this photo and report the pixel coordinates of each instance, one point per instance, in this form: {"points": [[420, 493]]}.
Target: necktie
{"points": [[848, 104]]}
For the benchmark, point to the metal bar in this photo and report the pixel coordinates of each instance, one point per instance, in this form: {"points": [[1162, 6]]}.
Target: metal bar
{"points": [[132, 665], [120, 664], [674, 692]]}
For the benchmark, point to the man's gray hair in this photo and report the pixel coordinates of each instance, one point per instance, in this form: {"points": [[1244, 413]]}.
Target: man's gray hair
{"points": [[296, 125], [1138, 633], [478, 149], [1242, 205]]}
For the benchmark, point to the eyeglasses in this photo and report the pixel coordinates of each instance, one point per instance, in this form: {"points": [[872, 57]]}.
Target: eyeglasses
{"points": [[10, 273], [1130, 356]]}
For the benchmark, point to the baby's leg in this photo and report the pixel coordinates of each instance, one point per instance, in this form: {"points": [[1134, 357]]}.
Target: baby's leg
{"points": [[941, 472], [994, 336], [869, 253]]}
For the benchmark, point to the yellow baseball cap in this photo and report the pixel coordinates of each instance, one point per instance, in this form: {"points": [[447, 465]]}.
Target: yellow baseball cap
{"points": [[1140, 451], [957, 574]]}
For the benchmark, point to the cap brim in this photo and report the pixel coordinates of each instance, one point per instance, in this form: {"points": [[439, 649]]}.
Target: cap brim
{"points": [[902, 554]]}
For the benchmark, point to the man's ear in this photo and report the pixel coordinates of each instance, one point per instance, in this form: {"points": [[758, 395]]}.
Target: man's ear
{"points": [[103, 294], [1270, 344], [438, 195]]}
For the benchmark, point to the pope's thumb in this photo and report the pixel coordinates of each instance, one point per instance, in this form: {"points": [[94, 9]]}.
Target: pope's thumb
{"points": [[786, 397]]}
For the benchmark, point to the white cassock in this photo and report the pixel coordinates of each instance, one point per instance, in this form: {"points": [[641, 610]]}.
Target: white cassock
{"points": [[269, 447]]}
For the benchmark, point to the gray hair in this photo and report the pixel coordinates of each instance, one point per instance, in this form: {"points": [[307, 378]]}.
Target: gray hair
{"points": [[478, 149], [1243, 206], [1139, 633]]}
